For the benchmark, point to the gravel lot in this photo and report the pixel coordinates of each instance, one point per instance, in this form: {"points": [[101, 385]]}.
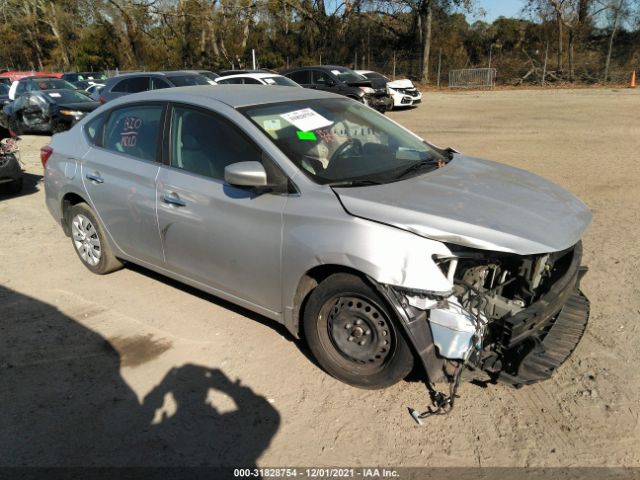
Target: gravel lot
{"points": [[135, 369]]}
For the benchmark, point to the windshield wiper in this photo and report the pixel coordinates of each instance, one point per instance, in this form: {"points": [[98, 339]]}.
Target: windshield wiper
{"points": [[416, 166], [354, 183]]}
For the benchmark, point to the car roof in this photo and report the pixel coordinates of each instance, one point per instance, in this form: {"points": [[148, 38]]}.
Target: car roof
{"points": [[157, 74], [232, 95], [251, 75]]}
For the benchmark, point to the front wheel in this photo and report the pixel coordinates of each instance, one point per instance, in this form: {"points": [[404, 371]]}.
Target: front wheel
{"points": [[353, 334]]}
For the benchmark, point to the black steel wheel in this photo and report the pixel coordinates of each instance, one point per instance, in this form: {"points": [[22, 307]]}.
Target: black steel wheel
{"points": [[353, 335]]}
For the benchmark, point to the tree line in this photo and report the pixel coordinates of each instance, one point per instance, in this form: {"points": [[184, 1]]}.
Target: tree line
{"points": [[564, 40]]}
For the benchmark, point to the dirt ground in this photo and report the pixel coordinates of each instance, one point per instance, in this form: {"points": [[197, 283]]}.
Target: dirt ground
{"points": [[135, 369]]}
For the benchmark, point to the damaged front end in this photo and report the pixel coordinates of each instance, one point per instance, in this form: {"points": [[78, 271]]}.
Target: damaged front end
{"points": [[509, 318]]}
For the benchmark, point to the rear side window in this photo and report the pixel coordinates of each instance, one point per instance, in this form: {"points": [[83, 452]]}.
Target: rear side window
{"points": [[231, 81], [158, 83], [301, 77], [132, 85], [93, 130], [134, 131]]}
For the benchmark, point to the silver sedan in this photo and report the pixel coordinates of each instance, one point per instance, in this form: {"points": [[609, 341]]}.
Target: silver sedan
{"points": [[379, 248]]}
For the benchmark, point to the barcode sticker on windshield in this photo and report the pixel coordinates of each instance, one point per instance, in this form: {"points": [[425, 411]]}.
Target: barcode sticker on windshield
{"points": [[306, 119]]}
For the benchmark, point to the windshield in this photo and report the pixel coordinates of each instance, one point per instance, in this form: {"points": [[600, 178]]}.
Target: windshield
{"points": [[347, 75], [375, 75], [53, 84], [4, 89], [68, 96], [189, 80], [279, 80], [340, 140], [91, 76], [209, 75]]}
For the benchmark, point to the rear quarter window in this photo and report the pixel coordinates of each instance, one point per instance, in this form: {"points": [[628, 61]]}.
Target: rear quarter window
{"points": [[134, 131], [93, 130]]}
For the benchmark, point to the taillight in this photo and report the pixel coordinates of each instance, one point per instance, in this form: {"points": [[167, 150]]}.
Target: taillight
{"points": [[102, 100], [45, 153]]}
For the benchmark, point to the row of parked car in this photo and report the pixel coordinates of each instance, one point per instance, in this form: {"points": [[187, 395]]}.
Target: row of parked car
{"points": [[50, 104]]}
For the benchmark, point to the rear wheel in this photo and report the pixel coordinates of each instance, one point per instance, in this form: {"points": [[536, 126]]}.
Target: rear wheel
{"points": [[89, 241], [353, 335]]}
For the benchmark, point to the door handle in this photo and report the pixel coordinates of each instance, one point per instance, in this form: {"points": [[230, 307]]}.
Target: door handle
{"points": [[94, 177], [173, 199]]}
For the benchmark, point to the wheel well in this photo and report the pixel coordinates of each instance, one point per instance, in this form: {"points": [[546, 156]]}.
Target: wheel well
{"points": [[309, 281], [68, 201]]}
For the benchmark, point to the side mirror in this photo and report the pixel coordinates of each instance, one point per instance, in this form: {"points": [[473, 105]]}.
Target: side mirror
{"points": [[246, 174]]}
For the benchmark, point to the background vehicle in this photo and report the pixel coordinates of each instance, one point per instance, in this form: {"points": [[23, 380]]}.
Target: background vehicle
{"points": [[94, 90], [36, 83], [205, 73], [47, 111], [334, 221], [257, 79], [343, 81], [11, 177], [225, 73], [4, 94], [96, 77], [403, 91], [129, 83]]}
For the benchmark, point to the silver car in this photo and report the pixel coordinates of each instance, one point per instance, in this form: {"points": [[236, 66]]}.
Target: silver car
{"points": [[382, 250]]}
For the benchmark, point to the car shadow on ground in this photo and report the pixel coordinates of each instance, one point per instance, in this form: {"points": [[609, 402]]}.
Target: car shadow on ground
{"points": [[30, 185], [301, 344], [65, 403]]}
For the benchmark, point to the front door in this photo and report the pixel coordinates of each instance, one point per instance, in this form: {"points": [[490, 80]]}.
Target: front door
{"points": [[119, 175], [224, 237]]}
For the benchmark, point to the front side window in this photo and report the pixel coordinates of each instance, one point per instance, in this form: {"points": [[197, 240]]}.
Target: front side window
{"points": [[134, 131], [205, 144], [340, 140], [322, 78], [158, 83], [132, 85]]}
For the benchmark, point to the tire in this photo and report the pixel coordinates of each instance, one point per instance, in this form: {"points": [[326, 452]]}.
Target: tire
{"points": [[353, 335], [89, 242]]}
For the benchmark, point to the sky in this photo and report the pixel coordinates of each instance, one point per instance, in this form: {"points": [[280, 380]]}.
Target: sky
{"points": [[496, 8]]}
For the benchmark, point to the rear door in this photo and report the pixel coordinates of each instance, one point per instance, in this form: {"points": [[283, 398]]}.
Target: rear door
{"points": [[225, 237], [119, 174]]}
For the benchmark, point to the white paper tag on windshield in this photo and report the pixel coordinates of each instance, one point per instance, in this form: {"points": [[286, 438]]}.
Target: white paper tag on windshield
{"points": [[335, 72], [54, 95], [272, 124], [270, 81], [306, 119]]}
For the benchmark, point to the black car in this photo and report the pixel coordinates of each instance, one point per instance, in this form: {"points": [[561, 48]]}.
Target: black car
{"points": [[36, 83], [95, 77], [142, 81], [46, 111], [343, 81]]}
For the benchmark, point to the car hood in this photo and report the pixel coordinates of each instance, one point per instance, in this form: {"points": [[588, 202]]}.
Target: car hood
{"points": [[476, 203], [81, 106], [403, 83]]}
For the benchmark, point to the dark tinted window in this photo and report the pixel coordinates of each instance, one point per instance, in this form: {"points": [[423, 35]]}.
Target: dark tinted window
{"points": [[132, 85], [51, 84], [231, 81], [21, 88], [301, 77], [158, 83], [251, 81], [4, 89], [205, 144], [188, 80], [321, 78], [134, 131]]}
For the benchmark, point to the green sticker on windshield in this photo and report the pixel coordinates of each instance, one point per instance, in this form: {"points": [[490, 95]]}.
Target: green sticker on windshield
{"points": [[307, 136]]}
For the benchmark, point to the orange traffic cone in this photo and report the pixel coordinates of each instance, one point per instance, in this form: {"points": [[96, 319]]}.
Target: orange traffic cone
{"points": [[632, 80]]}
